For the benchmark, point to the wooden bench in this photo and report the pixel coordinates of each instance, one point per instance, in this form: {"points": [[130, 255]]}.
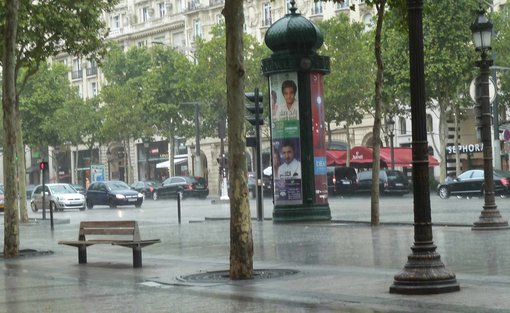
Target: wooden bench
{"points": [[122, 233]]}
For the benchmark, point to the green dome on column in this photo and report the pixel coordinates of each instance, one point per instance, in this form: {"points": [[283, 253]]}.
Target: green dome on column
{"points": [[293, 33]]}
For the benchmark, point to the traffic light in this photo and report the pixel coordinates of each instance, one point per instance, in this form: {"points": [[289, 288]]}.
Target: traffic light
{"points": [[256, 109], [43, 166]]}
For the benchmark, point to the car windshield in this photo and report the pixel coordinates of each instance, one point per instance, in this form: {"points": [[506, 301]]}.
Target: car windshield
{"points": [[118, 185], [62, 189]]}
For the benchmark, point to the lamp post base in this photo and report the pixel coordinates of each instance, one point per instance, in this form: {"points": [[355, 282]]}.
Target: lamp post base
{"points": [[424, 274], [490, 219]]}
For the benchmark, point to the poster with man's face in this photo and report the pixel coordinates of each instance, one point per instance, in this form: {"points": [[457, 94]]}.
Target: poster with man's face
{"points": [[285, 128]]}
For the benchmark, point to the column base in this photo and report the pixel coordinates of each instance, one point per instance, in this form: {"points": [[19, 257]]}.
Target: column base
{"points": [[490, 220], [301, 213], [424, 274]]}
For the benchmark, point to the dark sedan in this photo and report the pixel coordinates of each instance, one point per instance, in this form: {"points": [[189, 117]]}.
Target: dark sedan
{"points": [[183, 187], [112, 193], [471, 183], [146, 187], [391, 182]]}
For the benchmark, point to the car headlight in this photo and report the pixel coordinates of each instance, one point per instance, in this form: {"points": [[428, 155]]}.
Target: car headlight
{"points": [[140, 195], [119, 196]]}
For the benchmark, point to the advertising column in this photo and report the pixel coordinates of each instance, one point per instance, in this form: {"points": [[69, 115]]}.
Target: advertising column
{"points": [[286, 139]]}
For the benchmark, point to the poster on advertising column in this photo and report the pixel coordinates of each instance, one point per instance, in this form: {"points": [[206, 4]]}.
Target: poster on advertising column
{"points": [[319, 137], [286, 139]]}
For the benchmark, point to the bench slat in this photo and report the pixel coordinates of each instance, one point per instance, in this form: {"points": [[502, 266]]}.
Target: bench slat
{"points": [[107, 231], [96, 224]]}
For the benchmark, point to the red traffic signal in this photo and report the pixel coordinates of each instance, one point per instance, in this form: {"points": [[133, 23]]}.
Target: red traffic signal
{"points": [[43, 166]]}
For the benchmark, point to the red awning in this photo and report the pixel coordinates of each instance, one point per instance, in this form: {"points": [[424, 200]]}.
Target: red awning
{"points": [[361, 156], [335, 157], [404, 157]]}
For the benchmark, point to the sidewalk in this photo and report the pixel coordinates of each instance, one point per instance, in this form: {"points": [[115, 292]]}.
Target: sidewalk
{"points": [[341, 267]]}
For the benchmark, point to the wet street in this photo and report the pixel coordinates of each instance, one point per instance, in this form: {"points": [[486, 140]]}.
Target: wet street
{"points": [[343, 266]]}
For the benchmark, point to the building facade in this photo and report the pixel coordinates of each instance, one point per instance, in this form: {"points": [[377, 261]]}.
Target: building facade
{"points": [[178, 24]]}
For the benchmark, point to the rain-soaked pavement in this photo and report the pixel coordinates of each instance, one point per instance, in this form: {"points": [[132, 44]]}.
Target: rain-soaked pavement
{"points": [[344, 266]]}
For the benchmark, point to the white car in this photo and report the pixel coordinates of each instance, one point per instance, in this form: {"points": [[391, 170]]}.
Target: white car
{"points": [[58, 197]]}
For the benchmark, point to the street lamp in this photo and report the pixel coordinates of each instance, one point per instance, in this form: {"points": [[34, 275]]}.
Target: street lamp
{"points": [[490, 217], [424, 273], [390, 128]]}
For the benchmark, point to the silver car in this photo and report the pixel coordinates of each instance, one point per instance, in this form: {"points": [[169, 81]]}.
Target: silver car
{"points": [[58, 197]]}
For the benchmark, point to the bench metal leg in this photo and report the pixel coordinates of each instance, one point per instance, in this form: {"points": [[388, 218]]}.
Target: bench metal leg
{"points": [[137, 257], [82, 255]]}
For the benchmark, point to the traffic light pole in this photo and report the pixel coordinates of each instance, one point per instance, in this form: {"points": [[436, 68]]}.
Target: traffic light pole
{"points": [[260, 209]]}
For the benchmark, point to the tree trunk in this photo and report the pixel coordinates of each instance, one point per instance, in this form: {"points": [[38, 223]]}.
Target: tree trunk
{"points": [[11, 217], [241, 241], [456, 140], [349, 146], [443, 135], [376, 165], [20, 151]]}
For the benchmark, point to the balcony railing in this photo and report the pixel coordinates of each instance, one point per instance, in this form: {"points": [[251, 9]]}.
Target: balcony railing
{"points": [[216, 2], [92, 71], [77, 74]]}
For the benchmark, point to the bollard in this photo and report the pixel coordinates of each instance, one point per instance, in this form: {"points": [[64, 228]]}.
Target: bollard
{"points": [[51, 217], [179, 207]]}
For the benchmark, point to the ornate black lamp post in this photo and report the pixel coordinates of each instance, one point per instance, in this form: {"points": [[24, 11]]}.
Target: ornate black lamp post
{"points": [[424, 272], [390, 127], [490, 217]]}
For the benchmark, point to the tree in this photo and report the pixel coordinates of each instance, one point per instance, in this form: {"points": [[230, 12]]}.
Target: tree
{"points": [[11, 224], [210, 75], [448, 56], [241, 240], [151, 82], [73, 27], [346, 86]]}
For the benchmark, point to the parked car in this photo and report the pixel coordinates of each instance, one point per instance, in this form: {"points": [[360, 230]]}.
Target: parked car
{"points": [[471, 183], [80, 189], [183, 187], [57, 197], [29, 189], [391, 182], [146, 187], [342, 180], [112, 193]]}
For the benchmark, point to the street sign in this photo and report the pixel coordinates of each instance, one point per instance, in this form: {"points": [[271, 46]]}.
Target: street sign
{"points": [[492, 89]]}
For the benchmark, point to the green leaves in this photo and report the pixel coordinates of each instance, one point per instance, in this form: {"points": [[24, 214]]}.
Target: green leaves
{"points": [[349, 85]]}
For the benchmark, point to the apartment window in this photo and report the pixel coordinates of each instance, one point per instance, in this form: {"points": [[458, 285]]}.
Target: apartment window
{"points": [[77, 72], [287, 6], [429, 123], [197, 25], [115, 22], [141, 43], [342, 5], [267, 19], [162, 9], [402, 125], [220, 19], [92, 68], [317, 8], [93, 89], [144, 12]]}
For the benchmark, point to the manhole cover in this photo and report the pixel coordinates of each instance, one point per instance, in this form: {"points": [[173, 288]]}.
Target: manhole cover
{"points": [[223, 276]]}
